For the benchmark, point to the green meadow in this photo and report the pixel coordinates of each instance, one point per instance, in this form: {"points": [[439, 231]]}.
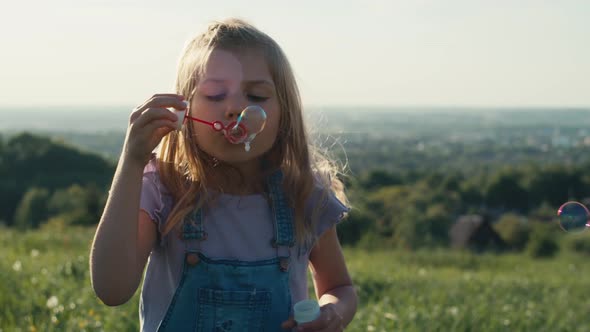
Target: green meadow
{"points": [[46, 287]]}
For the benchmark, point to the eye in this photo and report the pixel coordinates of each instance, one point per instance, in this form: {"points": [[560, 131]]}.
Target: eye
{"points": [[257, 99], [218, 97]]}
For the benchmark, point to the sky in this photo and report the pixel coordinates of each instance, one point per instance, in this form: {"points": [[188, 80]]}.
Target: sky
{"points": [[499, 53]]}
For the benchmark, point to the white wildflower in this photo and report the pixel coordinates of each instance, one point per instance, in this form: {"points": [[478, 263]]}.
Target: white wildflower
{"points": [[52, 302], [453, 311], [390, 315], [17, 266]]}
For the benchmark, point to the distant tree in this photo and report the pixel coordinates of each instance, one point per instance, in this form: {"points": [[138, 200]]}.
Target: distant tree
{"points": [[542, 243], [555, 185], [28, 160], [32, 210], [380, 178], [77, 204], [579, 243], [426, 229], [357, 224], [67, 200], [513, 230], [505, 191]]}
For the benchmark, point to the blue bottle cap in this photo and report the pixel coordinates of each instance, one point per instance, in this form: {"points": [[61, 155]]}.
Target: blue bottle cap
{"points": [[306, 311]]}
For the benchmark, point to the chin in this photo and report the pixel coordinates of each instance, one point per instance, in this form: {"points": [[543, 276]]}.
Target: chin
{"points": [[237, 154]]}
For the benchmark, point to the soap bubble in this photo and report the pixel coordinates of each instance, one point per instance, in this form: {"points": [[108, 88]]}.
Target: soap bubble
{"points": [[250, 122], [573, 217]]}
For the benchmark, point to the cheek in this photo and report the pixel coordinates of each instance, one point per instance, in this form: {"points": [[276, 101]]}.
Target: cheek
{"points": [[273, 121], [206, 110]]}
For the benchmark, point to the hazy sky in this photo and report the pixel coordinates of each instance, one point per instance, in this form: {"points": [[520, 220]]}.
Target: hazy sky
{"points": [[389, 53]]}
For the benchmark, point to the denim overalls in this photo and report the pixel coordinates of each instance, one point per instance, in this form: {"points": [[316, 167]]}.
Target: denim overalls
{"points": [[232, 295]]}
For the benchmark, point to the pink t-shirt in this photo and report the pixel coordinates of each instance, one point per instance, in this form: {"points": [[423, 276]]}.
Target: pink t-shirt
{"points": [[238, 227]]}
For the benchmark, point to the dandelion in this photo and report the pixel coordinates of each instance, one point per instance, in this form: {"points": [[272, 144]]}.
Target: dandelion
{"points": [[17, 266], [506, 322], [422, 272], [370, 328], [34, 253], [58, 309], [390, 316], [52, 302], [54, 320], [453, 311], [72, 305]]}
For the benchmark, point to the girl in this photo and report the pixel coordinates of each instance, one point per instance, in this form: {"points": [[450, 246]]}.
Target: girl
{"points": [[229, 233]]}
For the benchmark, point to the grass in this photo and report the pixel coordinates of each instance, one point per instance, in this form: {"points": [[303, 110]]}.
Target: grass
{"points": [[45, 287]]}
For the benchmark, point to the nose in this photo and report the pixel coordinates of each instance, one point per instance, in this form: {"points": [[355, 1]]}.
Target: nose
{"points": [[231, 113], [234, 108]]}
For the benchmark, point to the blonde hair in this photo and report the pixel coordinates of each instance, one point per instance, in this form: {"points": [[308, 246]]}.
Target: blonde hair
{"points": [[182, 164]]}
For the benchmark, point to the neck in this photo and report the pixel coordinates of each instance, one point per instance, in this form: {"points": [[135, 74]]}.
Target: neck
{"points": [[238, 179]]}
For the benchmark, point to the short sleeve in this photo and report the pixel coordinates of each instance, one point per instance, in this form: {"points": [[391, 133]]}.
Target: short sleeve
{"points": [[155, 199], [324, 205]]}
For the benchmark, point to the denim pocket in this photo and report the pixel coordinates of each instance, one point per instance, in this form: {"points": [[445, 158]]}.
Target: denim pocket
{"points": [[232, 310]]}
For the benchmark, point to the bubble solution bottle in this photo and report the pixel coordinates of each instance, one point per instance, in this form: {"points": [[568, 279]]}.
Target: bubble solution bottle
{"points": [[306, 311]]}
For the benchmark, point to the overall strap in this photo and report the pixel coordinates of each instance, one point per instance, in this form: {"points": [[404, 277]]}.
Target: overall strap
{"points": [[192, 230], [282, 212]]}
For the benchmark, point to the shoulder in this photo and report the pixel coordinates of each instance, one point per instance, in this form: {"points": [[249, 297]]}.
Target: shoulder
{"points": [[151, 177], [155, 197], [324, 208]]}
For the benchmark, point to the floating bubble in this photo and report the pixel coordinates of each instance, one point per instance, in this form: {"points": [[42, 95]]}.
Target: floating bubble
{"points": [[250, 122], [573, 217]]}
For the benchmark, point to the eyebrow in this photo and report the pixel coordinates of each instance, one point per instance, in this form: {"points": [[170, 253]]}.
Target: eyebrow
{"points": [[251, 82]]}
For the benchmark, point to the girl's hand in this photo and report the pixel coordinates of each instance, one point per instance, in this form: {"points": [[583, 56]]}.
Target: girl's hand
{"points": [[148, 124], [328, 321]]}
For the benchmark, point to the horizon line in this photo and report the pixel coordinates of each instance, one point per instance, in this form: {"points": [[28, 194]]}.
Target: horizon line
{"points": [[343, 106]]}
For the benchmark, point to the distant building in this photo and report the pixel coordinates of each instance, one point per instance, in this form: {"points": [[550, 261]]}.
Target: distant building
{"points": [[475, 232]]}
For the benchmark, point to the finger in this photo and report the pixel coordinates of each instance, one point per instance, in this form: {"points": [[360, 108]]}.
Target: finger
{"points": [[152, 114], [163, 102], [157, 124], [161, 132], [160, 95], [288, 324], [175, 95], [316, 325], [334, 325]]}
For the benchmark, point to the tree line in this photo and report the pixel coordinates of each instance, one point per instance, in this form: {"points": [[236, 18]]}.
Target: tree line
{"points": [[44, 180]]}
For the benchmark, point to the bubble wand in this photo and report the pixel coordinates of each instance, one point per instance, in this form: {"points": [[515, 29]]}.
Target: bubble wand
{"points": [[250, 123]]}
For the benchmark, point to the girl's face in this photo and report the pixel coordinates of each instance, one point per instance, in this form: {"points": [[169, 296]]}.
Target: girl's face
{"points": [[230, 83]]}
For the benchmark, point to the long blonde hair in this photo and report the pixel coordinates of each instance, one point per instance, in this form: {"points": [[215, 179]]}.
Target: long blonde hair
{"points": [[182, 164]]}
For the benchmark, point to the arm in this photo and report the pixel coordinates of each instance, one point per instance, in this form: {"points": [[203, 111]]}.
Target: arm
{"points": [[332, 282], [333, 287], [125, 236], [124, 239]]}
